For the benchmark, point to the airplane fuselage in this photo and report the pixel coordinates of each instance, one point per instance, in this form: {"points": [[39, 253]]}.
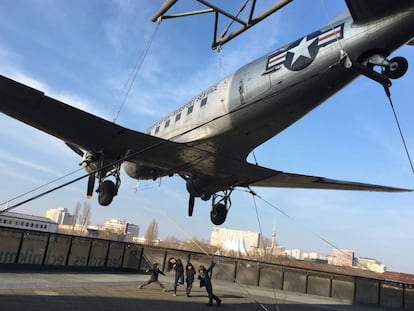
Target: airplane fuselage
{"points": [[269, 94]]}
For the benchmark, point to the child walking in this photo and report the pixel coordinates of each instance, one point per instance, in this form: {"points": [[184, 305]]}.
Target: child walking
{"points": [[189, 277], [155, 271], [205, 280]]}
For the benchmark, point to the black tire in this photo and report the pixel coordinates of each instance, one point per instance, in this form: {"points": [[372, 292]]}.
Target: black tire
{"points": [[398, 67], [218, 214], [106, 192]]}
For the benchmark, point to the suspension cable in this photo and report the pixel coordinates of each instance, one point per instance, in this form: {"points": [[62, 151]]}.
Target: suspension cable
{"points": [[133, 75], [105, 167], [301, 224], [387, 92], [264, 246], [39, 187]]}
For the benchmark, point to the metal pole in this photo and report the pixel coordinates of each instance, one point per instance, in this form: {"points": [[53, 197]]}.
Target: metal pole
{"points": [[164, 8]]}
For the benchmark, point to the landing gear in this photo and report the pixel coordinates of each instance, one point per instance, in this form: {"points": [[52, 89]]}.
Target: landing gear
{"points": [[220, 209], [107, 188], [205, 189], [390, 69], [218, 214], [101, 169], [106, 192], [397, 68]]}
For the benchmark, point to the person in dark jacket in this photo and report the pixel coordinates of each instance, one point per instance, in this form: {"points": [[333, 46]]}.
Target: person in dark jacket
{"points": [[155, 271], [205, 280], [189, 277], [178, 267]]}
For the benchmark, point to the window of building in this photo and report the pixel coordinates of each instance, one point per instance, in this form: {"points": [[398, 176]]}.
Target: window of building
{"points": [[203, 102], [157, 129], [190, 109], [177, 117], [167, 123]]}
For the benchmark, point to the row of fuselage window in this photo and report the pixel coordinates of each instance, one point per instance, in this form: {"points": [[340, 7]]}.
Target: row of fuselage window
{"points": [[178, 115]]}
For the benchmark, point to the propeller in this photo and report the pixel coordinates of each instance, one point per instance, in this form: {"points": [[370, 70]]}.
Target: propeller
{"points": [[91, 178], [191, 205], [76, 149], [91, 185]]}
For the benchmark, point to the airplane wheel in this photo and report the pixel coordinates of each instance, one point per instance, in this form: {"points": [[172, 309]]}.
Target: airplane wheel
{"points": [[218, 214], [398, 67], [106, 192]]}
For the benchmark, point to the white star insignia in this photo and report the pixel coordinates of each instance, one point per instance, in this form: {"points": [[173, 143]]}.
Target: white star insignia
{"points": [[302, 49]]}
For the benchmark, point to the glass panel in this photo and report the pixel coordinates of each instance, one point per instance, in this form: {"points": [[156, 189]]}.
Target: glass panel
{"points": [[9, 245], [116, 251], [57, 251], [203, 102], [98, 253], [33, 248], [79, 252], [132, 254]]}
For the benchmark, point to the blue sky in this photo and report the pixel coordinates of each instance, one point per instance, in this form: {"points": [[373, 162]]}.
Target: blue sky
{"points": [[82, 52]]}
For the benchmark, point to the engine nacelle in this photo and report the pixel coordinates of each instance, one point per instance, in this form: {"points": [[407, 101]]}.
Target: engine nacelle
{"points": [[203, 188], [91, 161], [138, 171]]}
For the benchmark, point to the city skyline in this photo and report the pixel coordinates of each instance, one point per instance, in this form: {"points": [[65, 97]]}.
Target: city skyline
{"points": [[86, 63]]}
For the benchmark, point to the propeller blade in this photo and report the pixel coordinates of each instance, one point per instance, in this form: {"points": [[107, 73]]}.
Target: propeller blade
{"points": [[91, 185], [191, 205], [75, 149]]}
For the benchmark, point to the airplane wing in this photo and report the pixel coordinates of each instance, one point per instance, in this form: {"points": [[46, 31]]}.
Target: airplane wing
{"points": [[89, 132], [280, 179], [95, 134], [363, 11]]}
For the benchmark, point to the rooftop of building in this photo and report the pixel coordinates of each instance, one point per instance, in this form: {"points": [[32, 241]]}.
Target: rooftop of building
{"points": [[27, 217]]}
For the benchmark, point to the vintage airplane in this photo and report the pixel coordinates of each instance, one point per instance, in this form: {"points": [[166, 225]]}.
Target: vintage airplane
{"points": [[207, 140]]}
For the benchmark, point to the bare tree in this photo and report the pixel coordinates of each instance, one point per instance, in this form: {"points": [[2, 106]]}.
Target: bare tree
{"points": [[152, 232], [75, 216], [84, 217]]}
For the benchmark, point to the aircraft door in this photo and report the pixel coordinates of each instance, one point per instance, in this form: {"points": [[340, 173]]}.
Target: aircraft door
{"points": [[251, 85], [276, 77]]}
